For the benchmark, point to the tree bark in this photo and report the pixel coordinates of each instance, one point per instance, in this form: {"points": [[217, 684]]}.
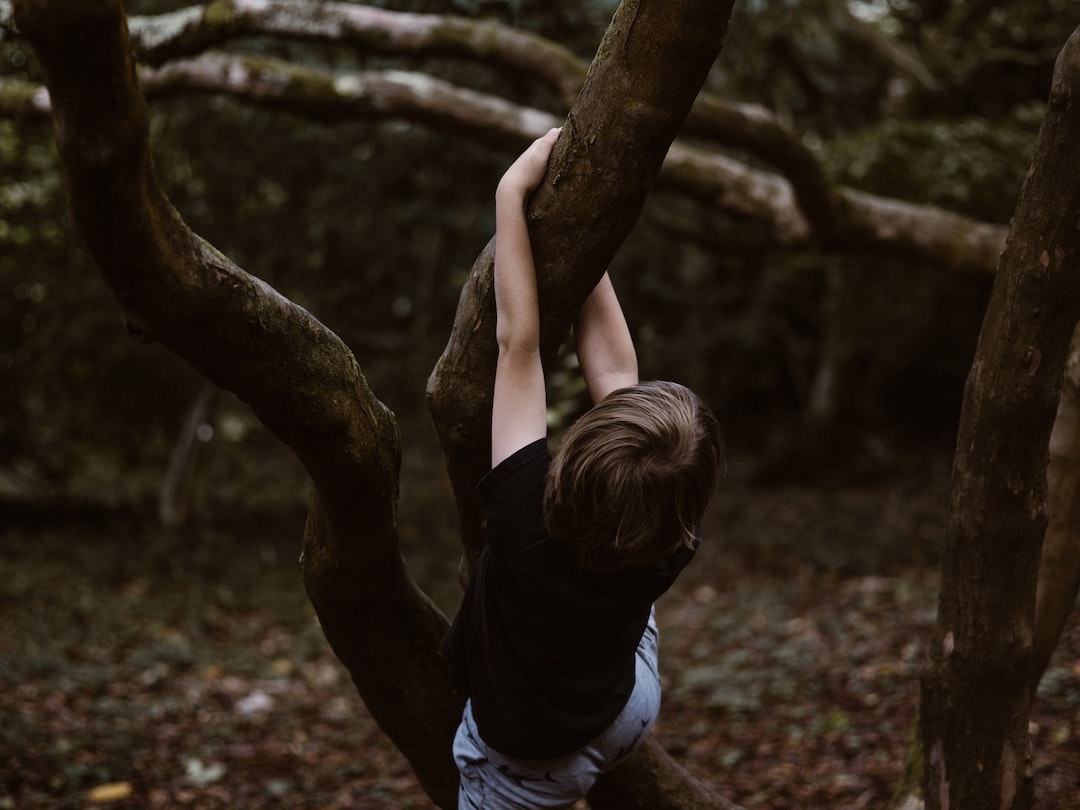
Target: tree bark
{"points": [[297, 376], [651, 780], [975, 697], [342, 96], [194, 29]]}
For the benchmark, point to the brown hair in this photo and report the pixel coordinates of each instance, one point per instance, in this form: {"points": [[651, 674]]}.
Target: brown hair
{"points": [[631, 479]]}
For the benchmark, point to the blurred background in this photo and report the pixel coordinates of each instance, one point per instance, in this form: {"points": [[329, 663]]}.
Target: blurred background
{"points": [[373, 226]]}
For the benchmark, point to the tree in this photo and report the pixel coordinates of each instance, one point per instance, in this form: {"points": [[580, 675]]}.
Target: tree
{"points": [[304, 384], [977, 691]]}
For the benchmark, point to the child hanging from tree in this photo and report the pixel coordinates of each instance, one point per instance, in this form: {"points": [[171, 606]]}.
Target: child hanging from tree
{"points": [[555, 642]]}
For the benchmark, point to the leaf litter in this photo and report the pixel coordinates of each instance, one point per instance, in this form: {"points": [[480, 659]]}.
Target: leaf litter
{"points": [[140, 670]]}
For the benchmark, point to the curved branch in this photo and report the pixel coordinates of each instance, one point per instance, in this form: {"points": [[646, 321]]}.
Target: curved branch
{"points": [[160, 38], [944, 238], [800, 206], [861, 221], [335, 96], [843, 218], [297, 376], [900, 56], [755, 130]]}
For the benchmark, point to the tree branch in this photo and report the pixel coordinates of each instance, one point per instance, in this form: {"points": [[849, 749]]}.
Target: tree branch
{"points": [[755, 130], [651, 780], [902, 58], [297, 376], [832, 216], [161, 38], [842, 217], [335, 96]]}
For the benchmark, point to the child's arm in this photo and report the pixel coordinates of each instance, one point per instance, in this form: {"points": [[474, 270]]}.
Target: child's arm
{"points": [[604, 345], [519, 407]]}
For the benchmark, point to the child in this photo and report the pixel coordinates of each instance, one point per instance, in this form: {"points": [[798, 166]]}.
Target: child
{"points": [[555, 641]]}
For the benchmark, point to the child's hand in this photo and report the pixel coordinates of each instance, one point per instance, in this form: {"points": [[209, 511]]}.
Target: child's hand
{"points": [[525, 174]]}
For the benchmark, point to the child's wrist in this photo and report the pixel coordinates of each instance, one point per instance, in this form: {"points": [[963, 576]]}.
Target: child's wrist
{"points": [[510, 197], [509, 190]]}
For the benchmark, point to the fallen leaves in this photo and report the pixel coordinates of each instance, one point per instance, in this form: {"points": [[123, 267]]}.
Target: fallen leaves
{"points": [[109, 792], [133, 681]]}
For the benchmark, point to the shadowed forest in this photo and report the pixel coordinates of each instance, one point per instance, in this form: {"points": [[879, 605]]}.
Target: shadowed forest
{"points": [[157, 645]]}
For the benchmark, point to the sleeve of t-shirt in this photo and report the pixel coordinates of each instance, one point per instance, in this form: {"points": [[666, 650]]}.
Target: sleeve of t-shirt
{"points": [[514, 495]]}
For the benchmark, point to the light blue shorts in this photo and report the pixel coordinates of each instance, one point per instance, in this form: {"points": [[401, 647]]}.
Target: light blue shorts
{"points": [[491, 781]]}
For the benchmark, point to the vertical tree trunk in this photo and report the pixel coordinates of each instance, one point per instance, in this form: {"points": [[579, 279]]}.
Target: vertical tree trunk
{"points": [[975, 693], [694, 273], [174, 494], [826, 388]]}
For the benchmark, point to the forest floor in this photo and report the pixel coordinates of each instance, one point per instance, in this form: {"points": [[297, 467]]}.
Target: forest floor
{"points": [[140, 669]]}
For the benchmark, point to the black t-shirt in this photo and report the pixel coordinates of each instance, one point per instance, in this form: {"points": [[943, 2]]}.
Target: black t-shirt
{"points": [[545, 648]]}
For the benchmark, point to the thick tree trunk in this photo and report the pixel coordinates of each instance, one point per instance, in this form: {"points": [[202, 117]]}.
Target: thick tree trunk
{"points": [[975, 696], [299, 378]]}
